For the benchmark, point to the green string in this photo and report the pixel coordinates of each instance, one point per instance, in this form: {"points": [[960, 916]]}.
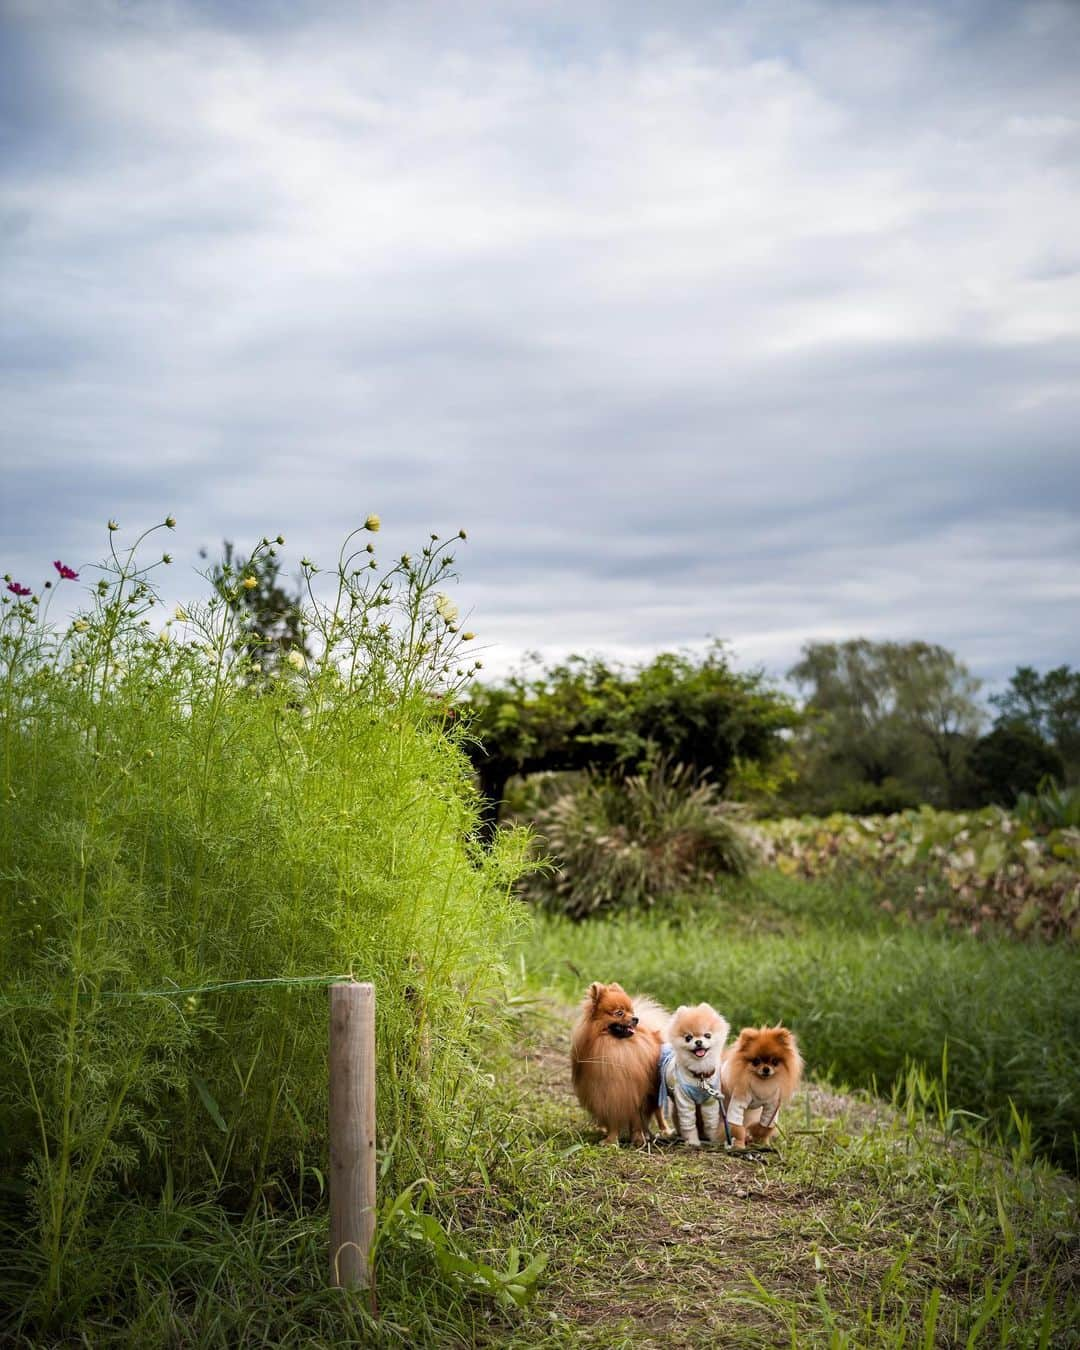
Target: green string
{"points": [[223, 986]]}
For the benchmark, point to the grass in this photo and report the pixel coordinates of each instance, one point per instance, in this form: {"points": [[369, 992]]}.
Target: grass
{"points": [[867, 993]]}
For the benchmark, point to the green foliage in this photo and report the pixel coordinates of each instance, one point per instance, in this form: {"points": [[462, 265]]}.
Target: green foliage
{"points": [[587, 714], [1049, 706], [1010, 761], [867, 993], [1050, 809], [633, 843], [972, 869], [883, 712], [408, 1218], [168, 824], [269, 621]]}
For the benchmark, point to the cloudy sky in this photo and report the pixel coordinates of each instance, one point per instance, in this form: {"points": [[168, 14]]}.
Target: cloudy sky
{"points": [[752, 320]]}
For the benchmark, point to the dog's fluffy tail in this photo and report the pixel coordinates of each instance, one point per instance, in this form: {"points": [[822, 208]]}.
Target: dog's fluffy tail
{"points": [[650, 1014]]}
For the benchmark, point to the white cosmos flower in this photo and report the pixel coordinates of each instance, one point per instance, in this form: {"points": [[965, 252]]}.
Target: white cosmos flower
{"points": [[445, 608]]}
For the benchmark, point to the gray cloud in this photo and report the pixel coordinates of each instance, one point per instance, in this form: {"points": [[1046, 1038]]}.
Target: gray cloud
{"points": [[760, 323]]}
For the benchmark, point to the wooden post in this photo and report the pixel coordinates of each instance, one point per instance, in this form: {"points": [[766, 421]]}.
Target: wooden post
{"points": [[352, 1133]]}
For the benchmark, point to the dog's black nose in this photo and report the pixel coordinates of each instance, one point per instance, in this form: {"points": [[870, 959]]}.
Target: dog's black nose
{"points": [[634, 1021]]}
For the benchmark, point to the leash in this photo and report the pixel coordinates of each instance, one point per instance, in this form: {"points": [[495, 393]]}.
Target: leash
{"points": [[719, 1098]]}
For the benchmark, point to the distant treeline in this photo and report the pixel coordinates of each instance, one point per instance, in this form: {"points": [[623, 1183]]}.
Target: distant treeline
{"points": [[880, 726]]}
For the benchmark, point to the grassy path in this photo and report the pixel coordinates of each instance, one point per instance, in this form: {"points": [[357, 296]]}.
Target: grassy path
{"points": [[862, 1228]]}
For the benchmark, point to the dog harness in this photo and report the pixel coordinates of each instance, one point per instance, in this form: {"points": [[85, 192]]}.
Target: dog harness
{"points": [[701, 1091]]}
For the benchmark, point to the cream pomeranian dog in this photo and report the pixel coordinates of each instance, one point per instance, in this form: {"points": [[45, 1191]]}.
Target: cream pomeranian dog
{"points": [[761, 1072], [690, 1071], [614, 1061]]}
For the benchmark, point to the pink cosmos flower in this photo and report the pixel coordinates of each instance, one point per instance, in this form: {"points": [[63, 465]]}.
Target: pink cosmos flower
{"points": [[66, 573], [16, 589]]}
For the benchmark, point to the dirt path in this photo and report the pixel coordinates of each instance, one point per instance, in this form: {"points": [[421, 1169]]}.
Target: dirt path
{"points": [[678, 1247]]}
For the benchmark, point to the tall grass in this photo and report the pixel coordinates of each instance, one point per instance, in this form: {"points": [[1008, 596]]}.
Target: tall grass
{"points": [[169, 825], [867, 995]]}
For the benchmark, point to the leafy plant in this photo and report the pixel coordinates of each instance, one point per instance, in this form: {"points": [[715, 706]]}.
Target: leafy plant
{"points": [[407, 1218], [973, 869], [633, 843], [1050, 808]]}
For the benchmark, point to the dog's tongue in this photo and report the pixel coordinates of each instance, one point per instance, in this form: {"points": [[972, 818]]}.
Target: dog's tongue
{"points": [[700, 1054]]}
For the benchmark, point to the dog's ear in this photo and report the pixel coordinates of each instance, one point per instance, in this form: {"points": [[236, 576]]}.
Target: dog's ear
{"points": [[596, 992]]}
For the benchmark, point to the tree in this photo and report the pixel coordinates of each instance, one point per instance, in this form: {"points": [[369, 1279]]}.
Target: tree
{"points": [[935, 698], [587, 714], [1049, 706], [897, 717], [1009, 760], [270, 620]]}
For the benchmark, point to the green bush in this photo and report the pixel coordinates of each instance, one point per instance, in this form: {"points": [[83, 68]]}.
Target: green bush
{"points": [[633, 843], [171, 827]]}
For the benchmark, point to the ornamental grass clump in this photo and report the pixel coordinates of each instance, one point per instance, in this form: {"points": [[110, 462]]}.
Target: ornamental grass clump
{"points": [[632, 843], [173, 828]]}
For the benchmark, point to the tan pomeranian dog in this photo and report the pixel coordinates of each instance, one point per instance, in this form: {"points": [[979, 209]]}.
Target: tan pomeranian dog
{"points": [[615, 1059], [761, 1072], [690, 1071]]}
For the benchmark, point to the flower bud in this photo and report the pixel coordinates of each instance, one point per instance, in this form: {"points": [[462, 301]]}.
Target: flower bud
{"points": [[170, 521], [373, 523]]}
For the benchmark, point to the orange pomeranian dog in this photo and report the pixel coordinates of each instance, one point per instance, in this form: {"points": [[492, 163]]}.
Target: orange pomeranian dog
{"points": [[761, 1071], [615, 1061]]}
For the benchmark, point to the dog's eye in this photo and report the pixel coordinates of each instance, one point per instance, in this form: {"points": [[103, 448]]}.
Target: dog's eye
{"points": [[756, 1061], [688, 1038], [707, 1036], [619, 1012]]}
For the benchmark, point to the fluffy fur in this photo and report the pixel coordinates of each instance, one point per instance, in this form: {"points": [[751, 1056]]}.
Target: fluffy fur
{"points": [[696, 1036], [760, 1073], [615, 1061]]}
